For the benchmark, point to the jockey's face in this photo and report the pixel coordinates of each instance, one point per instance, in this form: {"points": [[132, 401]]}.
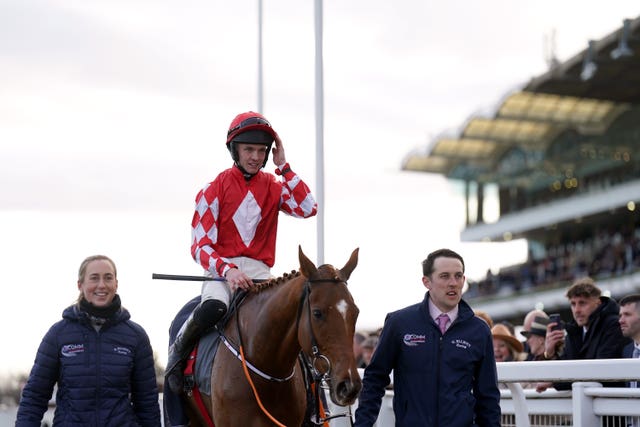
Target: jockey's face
{"points": [[251, 156], [99, 284]]}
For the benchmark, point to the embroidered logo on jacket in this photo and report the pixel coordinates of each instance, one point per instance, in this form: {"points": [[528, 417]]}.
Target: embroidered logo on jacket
{"points": [[122, 350], [72, 350], [461, 343], [413, 340]]}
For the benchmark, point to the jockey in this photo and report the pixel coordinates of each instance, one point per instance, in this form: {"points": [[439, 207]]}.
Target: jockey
{"points": [[234, 227]]}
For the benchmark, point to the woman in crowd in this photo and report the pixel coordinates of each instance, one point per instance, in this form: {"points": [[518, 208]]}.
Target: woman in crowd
{"points": [[506, 347], [101, 361]]}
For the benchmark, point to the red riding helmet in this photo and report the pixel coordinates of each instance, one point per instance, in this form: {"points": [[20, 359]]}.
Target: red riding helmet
{"points": [[250, 128]]}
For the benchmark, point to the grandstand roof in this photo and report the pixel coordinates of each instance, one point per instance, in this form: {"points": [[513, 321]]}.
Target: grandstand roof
{"points": [[582, 96]]}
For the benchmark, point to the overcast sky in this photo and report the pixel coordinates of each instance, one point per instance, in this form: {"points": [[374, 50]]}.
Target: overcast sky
{"points": [[114, 114]]}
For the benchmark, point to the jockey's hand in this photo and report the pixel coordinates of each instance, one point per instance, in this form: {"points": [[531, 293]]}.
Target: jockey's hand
{"points": [[279, 158], [237, 279]]}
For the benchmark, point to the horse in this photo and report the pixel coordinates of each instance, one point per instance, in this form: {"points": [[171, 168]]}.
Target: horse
{"points": [[256, 377]]}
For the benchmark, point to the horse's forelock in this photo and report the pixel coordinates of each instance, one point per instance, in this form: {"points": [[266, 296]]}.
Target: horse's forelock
{"points": [[327, 272]]}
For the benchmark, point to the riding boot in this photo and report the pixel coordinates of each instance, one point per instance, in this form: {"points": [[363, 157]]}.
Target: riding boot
{"points": [[205, 316]]}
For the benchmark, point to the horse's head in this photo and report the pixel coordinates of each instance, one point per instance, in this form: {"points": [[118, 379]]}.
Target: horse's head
{"points": [[327, 324]]}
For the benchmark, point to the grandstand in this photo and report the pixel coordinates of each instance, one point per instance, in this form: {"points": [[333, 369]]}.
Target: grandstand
{"points": [[562, 154]]}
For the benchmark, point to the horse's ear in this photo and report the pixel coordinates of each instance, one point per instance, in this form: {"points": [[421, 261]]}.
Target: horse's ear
{"points": [[350, 265], [307, 268]]}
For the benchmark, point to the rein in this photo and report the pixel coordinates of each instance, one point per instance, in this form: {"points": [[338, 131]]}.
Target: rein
{"points": [[317, 376]]}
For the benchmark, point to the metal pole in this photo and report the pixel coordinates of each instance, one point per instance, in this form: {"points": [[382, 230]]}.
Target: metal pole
{"points": [[260, 102], [319, 91]]}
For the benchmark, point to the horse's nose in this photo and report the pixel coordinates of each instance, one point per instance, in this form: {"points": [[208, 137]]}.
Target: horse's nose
{"points": [[347, 391]]}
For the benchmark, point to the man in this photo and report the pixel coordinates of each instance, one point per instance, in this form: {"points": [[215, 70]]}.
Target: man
{"points": [[594, 333], [444, 370], [234, 228], [630, 326]]}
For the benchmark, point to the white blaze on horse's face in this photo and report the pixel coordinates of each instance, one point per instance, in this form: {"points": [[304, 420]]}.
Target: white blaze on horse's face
{"points": [[343, 307]]}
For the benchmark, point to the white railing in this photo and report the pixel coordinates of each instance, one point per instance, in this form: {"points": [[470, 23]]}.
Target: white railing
{"points": [[588, 404]]}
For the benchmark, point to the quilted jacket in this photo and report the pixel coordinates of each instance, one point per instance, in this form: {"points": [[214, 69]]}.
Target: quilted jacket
{"points": [[104, 378]]}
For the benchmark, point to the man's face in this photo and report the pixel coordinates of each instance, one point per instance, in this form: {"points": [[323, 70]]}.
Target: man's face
{"points": [[630, 321], [445, 283], [251, 156], [582, 307]]}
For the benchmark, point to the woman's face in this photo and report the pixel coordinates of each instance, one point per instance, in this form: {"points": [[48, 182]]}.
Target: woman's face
{"points": [[501, 350], [99, 284]]}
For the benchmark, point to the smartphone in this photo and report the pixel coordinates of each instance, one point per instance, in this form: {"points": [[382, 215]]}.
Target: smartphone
{"points": [[555, 318]]}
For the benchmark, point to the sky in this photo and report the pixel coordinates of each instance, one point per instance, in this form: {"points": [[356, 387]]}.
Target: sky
{"points": [[114, 114]]}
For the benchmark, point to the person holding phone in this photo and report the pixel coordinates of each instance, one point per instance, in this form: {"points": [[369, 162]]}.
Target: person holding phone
{"points": [[594, 332]]}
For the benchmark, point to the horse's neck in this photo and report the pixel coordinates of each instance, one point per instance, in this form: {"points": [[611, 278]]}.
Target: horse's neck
{"points": [[274, 315]]}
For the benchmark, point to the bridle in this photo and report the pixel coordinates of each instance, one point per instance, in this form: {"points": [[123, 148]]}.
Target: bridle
{"points": [[316, 355], [318, 377]]}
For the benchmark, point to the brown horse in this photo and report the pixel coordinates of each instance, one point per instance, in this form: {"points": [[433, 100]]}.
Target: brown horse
{"points": [[309, 311]]}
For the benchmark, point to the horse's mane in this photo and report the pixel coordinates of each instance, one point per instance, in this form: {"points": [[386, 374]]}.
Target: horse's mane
{"points": [[327, 269], [259, 287]]}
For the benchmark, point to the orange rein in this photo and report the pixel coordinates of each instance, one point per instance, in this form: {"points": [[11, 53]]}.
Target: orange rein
{"points": [[255, 392]]}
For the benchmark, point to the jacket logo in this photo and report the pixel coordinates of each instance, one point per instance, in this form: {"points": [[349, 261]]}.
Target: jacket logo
{"points": [[72, 350], [122, 350], [413, 340], [461, 343]]}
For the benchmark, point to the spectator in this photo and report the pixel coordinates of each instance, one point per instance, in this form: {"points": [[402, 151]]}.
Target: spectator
{"points": [[594, 333], [358, 339], [535, 332], [526, 327], [441, 356], [484, 316], [630, 327], [101, 361], [510, 327], [368, 348], [506, 347]]}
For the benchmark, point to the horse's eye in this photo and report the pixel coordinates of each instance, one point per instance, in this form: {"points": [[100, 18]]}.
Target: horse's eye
{"points": [[317, 313]]}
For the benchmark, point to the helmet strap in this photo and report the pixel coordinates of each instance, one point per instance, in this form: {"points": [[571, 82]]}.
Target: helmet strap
{"points": [[247, 175]]}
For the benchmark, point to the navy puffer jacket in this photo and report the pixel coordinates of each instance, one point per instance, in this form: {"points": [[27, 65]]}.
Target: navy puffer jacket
{"points": [[104, 378]]}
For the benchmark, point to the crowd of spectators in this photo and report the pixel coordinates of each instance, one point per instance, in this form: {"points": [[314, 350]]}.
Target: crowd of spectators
{"points": [[606, 254]]}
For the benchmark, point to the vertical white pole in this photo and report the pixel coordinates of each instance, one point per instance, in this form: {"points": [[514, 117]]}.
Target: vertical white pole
{"points": [[319, 91], [260, 106]]}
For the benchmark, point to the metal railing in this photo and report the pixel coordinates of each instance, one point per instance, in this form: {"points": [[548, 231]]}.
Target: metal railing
{"points": [[588, 404]]}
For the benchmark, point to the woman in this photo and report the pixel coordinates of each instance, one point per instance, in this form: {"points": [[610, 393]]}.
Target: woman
{"points": [[101, 361], [506, 347]]}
